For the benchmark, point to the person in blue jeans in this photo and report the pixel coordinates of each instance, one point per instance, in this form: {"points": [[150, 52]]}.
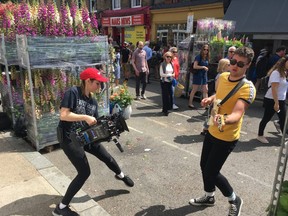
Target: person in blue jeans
{"points": [[79, 110], [201, 63]]}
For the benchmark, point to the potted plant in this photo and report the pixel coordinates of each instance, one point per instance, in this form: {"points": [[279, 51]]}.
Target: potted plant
{"points": [[122, 97]]}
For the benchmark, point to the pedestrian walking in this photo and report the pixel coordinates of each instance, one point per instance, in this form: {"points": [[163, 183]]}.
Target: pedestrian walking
{"points": [[176, 65], [274, 99], [167, 75], [261, 67], [140, 65], [224, 133], [79, 110], [117, 66], [279, 53], [148, 51], [200, 64], [125, 61]]}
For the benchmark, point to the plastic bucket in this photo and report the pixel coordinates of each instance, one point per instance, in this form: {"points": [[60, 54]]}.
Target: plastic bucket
{"points": [[178, 90]]}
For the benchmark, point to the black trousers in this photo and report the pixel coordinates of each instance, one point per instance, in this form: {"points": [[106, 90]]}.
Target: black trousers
{"points": [[142, 78], [269, 112], [213, 156], [167, 96], [77, 156]]}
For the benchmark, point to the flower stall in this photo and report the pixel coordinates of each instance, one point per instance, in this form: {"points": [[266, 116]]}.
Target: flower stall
{"points": [[210, 31], [8, 57], [52, 47], [52, 64]]}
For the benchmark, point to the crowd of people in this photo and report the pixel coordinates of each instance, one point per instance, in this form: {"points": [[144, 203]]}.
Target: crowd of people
{"points": [[233, 95]]}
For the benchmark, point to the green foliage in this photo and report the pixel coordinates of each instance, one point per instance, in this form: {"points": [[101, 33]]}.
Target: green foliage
{"points": [[121, 96], [283, 200]]}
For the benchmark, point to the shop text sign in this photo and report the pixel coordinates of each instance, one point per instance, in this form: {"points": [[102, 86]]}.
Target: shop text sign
{"points": [[123, 21]]}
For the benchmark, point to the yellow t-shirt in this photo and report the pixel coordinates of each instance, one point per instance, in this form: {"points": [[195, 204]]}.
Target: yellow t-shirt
{"points": [[247, 93]]}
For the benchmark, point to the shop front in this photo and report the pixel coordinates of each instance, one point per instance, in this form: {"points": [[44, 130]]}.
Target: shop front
{"points": [[266, 27], [130, 25], [170, 25]]}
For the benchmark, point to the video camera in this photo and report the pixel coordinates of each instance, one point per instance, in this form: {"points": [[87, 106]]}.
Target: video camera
{"points": [[106, 128]]}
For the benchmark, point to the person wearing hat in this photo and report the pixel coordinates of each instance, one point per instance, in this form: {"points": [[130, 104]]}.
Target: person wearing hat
{"points": [[79, 109]]}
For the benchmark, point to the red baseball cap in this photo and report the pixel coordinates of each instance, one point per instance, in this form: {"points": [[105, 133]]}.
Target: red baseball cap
{"points": [[92, 73]]}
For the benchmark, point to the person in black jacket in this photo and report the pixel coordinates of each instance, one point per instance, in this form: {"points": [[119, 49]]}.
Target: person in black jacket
{"points": [[262, 67], [79, 110]]}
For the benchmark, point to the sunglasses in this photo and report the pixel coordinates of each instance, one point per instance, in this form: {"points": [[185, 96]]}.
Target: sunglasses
{"points": [[232, 51], [206, 49], [175, 51], [239, 64], [168, 56]]}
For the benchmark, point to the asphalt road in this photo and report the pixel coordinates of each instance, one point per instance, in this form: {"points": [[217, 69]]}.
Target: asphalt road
{"points": [[162, 154]]}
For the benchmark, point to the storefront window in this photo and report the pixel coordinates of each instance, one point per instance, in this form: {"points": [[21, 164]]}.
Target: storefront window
{"points": [[116, 4], [93, 6], [171, 34], [135, 3]]}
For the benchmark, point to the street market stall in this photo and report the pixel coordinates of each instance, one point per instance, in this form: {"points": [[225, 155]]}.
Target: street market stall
{"points": [[210, 31], [9, 92], [50, 66]]}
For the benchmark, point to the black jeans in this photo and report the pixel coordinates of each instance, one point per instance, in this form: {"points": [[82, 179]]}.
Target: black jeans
{"points": [[213, 156], [141, 78], [167, 99], [269, 112], [77, 156]]}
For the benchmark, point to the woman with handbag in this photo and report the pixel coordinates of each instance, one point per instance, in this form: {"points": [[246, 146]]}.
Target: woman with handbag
{"points": [[201, 63], [167, 75], [274, 99]]}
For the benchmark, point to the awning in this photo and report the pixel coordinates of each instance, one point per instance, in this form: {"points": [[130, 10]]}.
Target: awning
{"points": [[259, 16], [126, 12]]}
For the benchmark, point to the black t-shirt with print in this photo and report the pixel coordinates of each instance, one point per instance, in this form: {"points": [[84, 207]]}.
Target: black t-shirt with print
{"points": [[79, 104]]}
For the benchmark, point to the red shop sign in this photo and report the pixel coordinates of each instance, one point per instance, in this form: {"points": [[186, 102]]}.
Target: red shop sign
{"points": [[138, 19], [123, 21], [105, 21]]}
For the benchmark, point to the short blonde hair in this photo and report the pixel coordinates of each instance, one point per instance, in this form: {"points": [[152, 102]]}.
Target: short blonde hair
{"points": [[172, 49], [222, 64]]}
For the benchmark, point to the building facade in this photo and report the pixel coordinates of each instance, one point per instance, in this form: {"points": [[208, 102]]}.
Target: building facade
{"points": [[162, 21], [171, 23], [126, 20]]}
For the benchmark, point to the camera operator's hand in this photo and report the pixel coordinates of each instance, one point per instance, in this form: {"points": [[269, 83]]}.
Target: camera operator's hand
{"points": [[90, 120]]}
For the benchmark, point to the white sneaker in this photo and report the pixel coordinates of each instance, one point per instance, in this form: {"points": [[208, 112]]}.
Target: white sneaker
{"points": [[143, 96], [137, 98], [277, 126], [262, 139], [175, 107]]}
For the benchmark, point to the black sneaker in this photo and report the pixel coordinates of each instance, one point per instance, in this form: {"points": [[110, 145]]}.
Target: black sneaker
{"points": [[64, 212], [203, 201], [235, 207], [127, 180]]}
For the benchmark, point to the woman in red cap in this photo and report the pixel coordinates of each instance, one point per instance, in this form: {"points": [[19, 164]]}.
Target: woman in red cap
{"points": [[78, 110]]}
